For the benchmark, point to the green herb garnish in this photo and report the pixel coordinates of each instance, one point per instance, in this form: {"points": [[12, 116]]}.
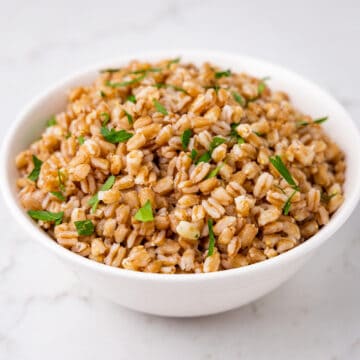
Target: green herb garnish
{"points": [[144, 71], [61, 180], [58, 194], [221, 74], [211, 238], [108, 184], [287, 205], [215, 171], [84, 227], [326, 198], [145, 214], [125, 83], [105, 118], [173, 61], [205, 157], [131, 98], [81, 140], [215, 142], [46, 216], [129, 117], [316, 121], [185, 138], [114, 136], [102, 94], [68, 135], [235, 135], [160, 108], [277, 162], [34, 175], [262, 85], [193, 155], [238, 98], [51, 121]]}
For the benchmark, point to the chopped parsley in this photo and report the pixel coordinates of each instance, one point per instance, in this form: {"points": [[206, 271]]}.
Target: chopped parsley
{"points": [[84, 227], [214, 172], [81, 140], [316, 121], [114, 136], [173, 61], [105, 118], [145, 213], [159, 107], [129, 117], [235, 135], [51, 121], [277, 162], [68, 135], [131, 98], [46, 216], [108, 184], [34, 175], [211, 238], [102, 94], [58, 194], [262, 85], [206, 157], [220, 74], [61, 180], [287, 205], [144, 71], [125, 83], [238, 98], [177, 88], [185, 138], [193, 154], [326, 198]]}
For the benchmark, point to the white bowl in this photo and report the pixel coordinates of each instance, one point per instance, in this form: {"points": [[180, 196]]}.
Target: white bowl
{"points": [[193, 294]]}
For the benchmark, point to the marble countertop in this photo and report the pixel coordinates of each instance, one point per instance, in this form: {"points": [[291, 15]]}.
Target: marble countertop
{"points": [[45, 313]]}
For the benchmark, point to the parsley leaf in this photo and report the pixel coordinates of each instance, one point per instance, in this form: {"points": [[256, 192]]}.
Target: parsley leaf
{"points": [[262, 85], [145, 214], [131, 98], [108, 184], [277, 162], [173, 61], [211, 238], [51, 121], [105, 117], [235, 135], [205, 157], [34, 175], [220, 74], [320, 120], [215, 142], [125, 83], [160, 108], [214, 172], [238, 98], [193, 155], [84, 227], [68, 135], [144, 71], [114, 136], [58, 194], [287, 205], [326, 198], [185, 138], [46, 216], [81, 140], [102, 94], [129, 117], [61, 180], [177, 88]]}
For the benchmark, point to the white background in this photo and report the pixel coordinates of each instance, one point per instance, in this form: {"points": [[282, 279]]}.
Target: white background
{"points": [[45, 313]]}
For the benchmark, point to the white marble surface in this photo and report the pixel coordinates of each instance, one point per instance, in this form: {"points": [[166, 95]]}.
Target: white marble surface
{"points": [[45, 313]]}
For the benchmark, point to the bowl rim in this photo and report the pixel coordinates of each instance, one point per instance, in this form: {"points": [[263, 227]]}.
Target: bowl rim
{"points": [[41, 237]]}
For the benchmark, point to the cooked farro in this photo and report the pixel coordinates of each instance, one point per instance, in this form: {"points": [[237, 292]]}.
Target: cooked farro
{"points": [[144, 159]]}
